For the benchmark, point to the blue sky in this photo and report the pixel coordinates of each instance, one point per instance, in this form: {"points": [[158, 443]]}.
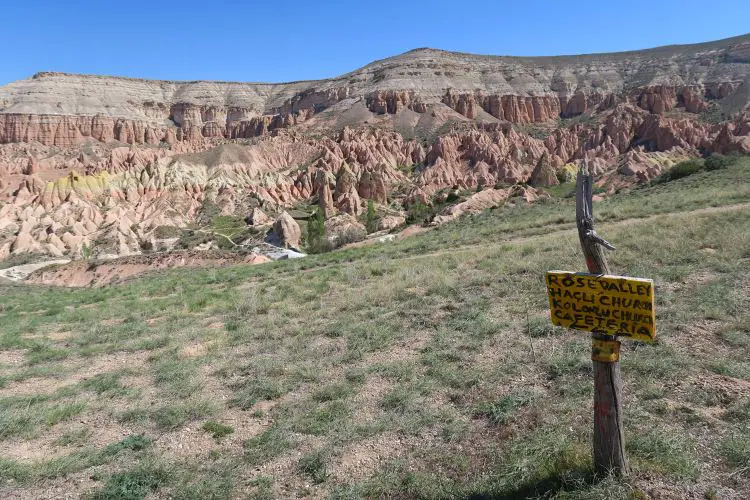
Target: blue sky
{"points": [[293, 40]]}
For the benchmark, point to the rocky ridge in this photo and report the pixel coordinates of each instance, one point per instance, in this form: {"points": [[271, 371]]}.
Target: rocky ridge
{"points": [[91, 163]]}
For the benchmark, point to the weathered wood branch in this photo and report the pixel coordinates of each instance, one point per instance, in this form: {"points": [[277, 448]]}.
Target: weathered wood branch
{"points": [[609, 449], [591, 243]]}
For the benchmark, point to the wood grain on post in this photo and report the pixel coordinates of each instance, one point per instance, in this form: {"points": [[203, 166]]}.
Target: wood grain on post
{"points": [[609, 446]]}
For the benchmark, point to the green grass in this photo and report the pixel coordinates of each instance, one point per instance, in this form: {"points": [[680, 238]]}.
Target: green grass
{"points": [[271, 443], [24, 472], [313, 465], [434, 355], [133, 484], [736, 449], [668, 452], [217, 430], [506, 408]]}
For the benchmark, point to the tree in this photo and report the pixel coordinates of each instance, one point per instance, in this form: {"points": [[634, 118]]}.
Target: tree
{"points": [[316, 231], [371, 221], [418, 213]]}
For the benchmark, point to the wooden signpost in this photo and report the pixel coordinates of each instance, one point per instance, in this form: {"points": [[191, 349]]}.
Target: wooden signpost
{"points": [[608, 307]]}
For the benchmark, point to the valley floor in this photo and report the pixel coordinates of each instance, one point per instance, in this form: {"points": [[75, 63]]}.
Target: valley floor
{"points": [[425, 367]]}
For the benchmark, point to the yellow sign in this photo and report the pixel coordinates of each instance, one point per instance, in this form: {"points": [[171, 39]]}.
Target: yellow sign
{"points": [[606, 351], [613, 305]]}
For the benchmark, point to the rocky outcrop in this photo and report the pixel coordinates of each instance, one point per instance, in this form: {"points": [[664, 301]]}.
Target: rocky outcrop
{"points": [[543, 175], [488, 198], [346, 196], [323, 181], [257, 218], [373, 186], [392, 102], [343, 229], [390, 222], [67, 130], [656, 99], [513, 108], [286, 231]]}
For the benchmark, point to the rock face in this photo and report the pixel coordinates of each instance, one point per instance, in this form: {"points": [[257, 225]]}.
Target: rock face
{"points": [[325, 196], [286, 231], [488, 198], [100, 164], [347, 198], [389, 222], [257, 218], [343, 229], [543, 175]]}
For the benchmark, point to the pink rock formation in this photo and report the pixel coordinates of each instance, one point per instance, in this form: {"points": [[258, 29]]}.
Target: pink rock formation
{"points": [[286, 231], [346, 196]]}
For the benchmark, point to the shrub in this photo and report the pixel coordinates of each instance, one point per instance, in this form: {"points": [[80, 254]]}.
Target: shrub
{"points": [[86, 251], [418, 213], [682, 169], [500, 412], [717, 162], [349, 235], [371, 221], [316, 230]]}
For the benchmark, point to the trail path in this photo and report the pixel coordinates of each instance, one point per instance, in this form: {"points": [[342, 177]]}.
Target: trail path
{"points": [[19, 273], [573, 231], [557, 230]]}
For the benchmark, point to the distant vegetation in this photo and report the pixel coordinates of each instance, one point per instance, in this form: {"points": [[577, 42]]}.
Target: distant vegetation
{"points": [[690, 167]]}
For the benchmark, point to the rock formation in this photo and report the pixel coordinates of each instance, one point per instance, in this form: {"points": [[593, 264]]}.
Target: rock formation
{"points": [[347, 198], [104, 164], [286, 231], [257, 217], [325, 196], [543, 174], [343, 229]]}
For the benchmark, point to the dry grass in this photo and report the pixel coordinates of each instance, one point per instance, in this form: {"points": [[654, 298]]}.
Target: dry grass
{"points": [[392, 371]]}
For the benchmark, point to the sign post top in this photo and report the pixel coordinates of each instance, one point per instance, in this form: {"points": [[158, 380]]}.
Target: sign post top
{"points": [[612, 305]]}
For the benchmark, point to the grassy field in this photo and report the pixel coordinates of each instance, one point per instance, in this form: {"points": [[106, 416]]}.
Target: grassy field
{"points": [[423, 368]]}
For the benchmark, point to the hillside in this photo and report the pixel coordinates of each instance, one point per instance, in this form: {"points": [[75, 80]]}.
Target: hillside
{"points": [[420, 368], [108, 165]]}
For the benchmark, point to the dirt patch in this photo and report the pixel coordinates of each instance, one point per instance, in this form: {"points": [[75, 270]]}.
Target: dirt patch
{"points": [[72, 486], [367, 400], [112, 321], [12, 357], [727, 388], [59, 336], [98, 274], [76, 370], [27, 451], [362, 459], [194, 350], [34, 386], [400, 351]]}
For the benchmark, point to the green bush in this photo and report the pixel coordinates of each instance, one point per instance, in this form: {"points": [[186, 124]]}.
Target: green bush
{"points": [[371, 219], [682, 169], [500, 412], [418, 213], [316, 231], [717, 162]]}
